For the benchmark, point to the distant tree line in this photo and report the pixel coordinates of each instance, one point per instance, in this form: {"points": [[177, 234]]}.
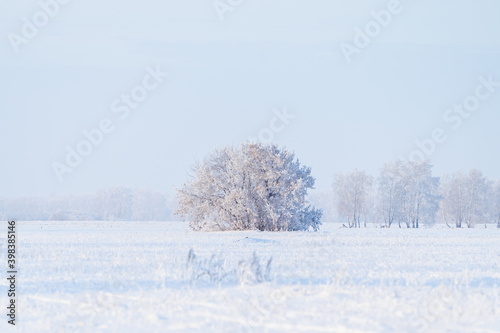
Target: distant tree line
{"points": [[407, 195], [264, 187], [112, 204]]}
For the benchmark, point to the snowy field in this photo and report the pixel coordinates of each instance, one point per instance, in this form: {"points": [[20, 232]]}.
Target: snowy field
{"points": [[135, 277]]}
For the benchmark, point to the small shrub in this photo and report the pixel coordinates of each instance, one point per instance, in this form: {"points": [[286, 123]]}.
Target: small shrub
{"points": [[252, 272], [214, 270]]}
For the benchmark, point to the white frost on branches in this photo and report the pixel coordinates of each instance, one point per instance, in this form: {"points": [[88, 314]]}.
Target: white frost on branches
{"points": [[465, 198], [495, 205], [352, 193], [252, 187], [407, 193]]}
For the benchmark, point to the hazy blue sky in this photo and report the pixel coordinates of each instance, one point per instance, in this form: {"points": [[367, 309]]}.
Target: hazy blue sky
{"points": [[226, 77]]}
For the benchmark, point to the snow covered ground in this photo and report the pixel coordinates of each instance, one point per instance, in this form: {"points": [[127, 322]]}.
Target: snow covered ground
{"points": [[134, 277]]}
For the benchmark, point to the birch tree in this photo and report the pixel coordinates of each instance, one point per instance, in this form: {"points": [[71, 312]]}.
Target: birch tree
{"points": [[465, 198], [390, 192], [352, 191], [407, 193], [495, 213], [420, 194]]}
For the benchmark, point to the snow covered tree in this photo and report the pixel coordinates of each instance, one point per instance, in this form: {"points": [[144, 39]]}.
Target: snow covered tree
{"points": [[407, 193], [388, 192], [352, 191], [495, 205], [465, 198], [252, 187], [421, 200]]}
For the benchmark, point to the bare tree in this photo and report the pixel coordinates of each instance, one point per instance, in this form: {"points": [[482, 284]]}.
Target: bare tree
{"points": [[420, 194], [465, 198], [388, 196], [496, 202], [251, 187], [352, 190], [407, 193]]}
